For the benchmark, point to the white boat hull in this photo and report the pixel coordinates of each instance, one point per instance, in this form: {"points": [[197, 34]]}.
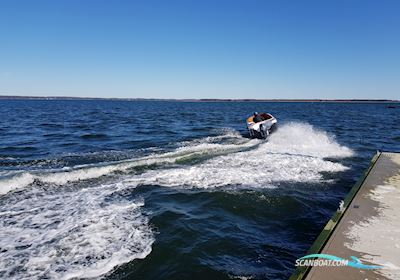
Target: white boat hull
{"points": [[263, 128]]}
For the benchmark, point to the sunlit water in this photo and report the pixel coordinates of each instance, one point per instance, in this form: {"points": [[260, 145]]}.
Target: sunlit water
{"points": [[147, 190]]}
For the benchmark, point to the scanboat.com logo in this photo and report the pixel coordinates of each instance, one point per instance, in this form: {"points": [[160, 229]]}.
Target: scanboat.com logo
{"points": [[331, 260]]}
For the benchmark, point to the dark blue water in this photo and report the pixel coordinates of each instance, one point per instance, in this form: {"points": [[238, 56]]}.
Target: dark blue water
{"points": [[172, 190]]}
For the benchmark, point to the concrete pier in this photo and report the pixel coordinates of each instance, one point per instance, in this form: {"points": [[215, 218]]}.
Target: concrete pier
{"points": [[366, 227]]}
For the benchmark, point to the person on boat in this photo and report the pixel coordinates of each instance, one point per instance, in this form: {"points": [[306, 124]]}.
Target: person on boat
{"points": [[257, 117]]}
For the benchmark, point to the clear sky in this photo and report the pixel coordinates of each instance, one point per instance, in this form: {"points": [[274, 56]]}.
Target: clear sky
{"points": [[201, 49]]}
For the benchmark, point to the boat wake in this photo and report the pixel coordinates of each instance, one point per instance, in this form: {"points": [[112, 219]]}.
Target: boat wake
{"points": [[295, 153], [66, 223], [229, 142]]}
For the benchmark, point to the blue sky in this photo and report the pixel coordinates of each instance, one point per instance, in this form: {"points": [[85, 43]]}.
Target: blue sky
{"points": [[201, 49]]}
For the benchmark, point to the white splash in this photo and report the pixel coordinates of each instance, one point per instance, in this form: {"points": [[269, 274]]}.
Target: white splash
{"points": [[63, 176], [304, 139], [295, 153]]}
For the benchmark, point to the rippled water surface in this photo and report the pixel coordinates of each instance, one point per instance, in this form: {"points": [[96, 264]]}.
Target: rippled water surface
{"points": [[172, 190]]}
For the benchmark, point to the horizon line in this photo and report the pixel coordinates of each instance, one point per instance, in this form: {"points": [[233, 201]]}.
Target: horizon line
{"points": [[360, 100]]}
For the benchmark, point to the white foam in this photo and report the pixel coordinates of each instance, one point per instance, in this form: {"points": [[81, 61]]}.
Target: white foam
{"points": [[84, 172], [304, 139], [64, 235], [14, 182], [6, 158], [296, 153]]}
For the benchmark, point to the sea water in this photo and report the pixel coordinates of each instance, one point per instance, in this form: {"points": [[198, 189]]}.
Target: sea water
{"points": [[161, 189]]}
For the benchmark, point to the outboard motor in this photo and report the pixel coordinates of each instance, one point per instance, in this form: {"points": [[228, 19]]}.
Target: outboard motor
{"points": [[262, 126]]}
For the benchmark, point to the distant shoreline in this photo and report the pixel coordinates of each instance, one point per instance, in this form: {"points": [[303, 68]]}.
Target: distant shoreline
{"points": [[17, 97]]}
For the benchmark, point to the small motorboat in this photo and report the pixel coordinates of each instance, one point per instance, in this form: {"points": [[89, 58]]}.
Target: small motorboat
{"points": [[261, 125]]}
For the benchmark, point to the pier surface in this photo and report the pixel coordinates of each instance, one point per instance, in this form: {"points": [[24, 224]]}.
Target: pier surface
{"points": [[367, 227]]}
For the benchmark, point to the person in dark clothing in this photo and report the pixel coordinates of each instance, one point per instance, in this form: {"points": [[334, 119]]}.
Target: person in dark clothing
{"points": [[257, 117]]}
